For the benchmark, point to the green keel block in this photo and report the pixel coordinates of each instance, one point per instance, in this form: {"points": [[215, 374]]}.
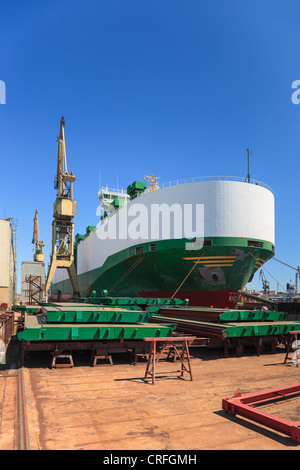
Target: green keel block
{"points": [[209, 329], [133, 301], [243, 329], [94, 314], [252, 315], [38, 331], [222, 315], [32, 309]]}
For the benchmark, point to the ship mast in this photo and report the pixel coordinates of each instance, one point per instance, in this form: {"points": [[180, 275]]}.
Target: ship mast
{"points": [[153, 185], [249, 153]]}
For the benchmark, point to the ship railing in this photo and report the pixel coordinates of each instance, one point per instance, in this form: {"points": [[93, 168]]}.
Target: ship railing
{"points": [[213, 178], [106, 189]]}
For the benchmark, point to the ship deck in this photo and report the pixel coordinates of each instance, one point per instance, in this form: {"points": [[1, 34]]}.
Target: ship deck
{"points": [[113, 408]]}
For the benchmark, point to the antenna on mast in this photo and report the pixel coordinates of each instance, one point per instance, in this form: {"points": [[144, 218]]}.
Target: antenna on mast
{"points": [[249, 153]]}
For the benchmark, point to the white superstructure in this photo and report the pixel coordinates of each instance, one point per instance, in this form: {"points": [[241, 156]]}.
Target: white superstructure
{"points": [[230, 208]]}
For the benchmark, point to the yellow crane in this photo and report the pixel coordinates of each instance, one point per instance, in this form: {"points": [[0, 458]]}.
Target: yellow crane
{"points": [[64, 210], [36, 239]]}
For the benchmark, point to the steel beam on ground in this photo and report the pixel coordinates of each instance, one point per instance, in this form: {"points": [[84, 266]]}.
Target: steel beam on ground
{"points": [[244, 405]]}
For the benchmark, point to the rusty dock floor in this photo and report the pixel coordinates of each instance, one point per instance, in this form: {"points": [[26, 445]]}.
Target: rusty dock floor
{"points": [[112, 408]]}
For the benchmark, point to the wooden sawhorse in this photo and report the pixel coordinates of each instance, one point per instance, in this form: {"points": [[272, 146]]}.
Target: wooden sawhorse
{"points": [[166, 343], [293, 336]]}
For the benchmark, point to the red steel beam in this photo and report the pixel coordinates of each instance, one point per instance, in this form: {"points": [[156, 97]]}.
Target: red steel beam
{"points": [[244, 405]]}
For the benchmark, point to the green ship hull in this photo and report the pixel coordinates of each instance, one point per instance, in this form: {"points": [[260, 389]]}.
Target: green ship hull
{"points": [[210, 276]]}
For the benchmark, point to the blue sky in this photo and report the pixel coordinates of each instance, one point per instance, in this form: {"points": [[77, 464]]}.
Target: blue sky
{"points": [[170, 87]]}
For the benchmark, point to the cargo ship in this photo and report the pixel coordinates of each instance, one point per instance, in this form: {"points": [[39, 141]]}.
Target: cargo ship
{"points": [[200, 239]]}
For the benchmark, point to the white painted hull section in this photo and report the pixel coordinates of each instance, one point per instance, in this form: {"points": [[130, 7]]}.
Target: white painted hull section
{"points": [[231, 209]]}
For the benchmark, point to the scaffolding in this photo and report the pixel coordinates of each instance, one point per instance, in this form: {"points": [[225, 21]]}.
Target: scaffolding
{"points": [[35, 289]]}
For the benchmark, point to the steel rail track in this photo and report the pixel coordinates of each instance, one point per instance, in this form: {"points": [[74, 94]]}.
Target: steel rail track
{"points": [[22, 425]]}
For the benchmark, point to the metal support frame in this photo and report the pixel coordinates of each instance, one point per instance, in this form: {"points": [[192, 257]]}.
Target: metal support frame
{"points": [[165, 343], [58, 354], [104, 348], [101, 353], [244, 405], [6, 326]]}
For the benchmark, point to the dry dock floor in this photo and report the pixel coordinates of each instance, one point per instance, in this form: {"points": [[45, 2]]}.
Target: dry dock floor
{"points": [[112, 408]]}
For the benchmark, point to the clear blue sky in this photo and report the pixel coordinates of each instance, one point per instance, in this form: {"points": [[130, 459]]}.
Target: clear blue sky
{"points": [[171, 87]]}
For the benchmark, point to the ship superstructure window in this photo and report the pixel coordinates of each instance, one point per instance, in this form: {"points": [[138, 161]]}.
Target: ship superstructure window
{"points": [[152, 247], [139, 250], [207, 242], [255, 243]]}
